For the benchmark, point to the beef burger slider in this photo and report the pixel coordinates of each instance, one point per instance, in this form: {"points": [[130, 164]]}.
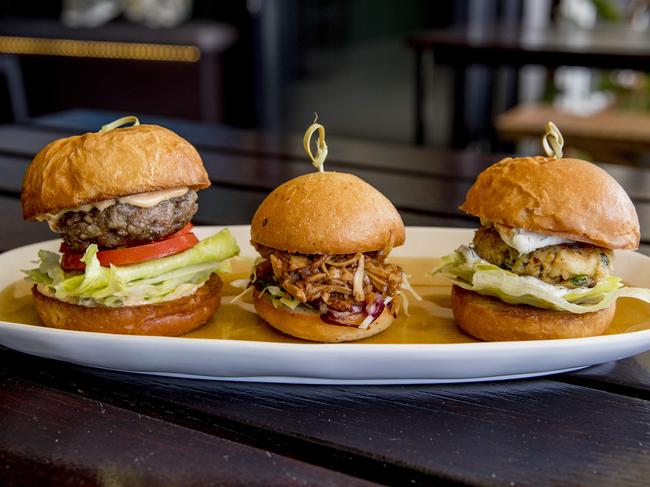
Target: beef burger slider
{"points": [[541, 265], [324, 239], [122, 200]]}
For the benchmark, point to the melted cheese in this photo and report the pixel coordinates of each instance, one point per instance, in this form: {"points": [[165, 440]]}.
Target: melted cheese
{"points": [[141, 200], [526, 242]]}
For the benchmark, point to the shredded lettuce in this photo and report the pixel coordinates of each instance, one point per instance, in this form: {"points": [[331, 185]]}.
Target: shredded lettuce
{"points": [[281, 297], [277, 294], [466, 269], [149, 282]]}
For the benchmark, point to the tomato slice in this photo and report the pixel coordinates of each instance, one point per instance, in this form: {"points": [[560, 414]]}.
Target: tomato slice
{"points": [[72, 262], [186, 229], [175, 243], [154, 250]]}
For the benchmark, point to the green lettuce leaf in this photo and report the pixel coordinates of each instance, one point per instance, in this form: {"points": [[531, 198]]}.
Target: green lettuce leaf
{"points": [[146, 283], [466, 269]]}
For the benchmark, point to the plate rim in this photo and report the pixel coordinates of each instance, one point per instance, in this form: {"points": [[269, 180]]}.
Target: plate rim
{"points": [[318, 345]]}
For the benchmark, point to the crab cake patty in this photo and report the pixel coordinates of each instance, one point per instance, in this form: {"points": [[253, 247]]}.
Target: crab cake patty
{"points": [[570, 265]]}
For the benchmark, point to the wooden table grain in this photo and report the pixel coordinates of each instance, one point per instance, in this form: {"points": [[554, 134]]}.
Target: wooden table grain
{"points": [[66, 424]]}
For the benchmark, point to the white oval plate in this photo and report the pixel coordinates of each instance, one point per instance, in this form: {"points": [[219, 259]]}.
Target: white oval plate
{"points": [[325, 363]]}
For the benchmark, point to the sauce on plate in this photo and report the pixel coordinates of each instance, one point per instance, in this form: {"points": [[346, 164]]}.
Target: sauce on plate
{"points": [[429, 320]]}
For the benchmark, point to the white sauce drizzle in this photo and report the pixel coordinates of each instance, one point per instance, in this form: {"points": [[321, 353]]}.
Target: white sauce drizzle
{"points": [[141, 200], [526, 242]]}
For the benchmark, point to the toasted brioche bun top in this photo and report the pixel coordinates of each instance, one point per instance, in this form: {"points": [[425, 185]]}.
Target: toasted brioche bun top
{"points": [[570, 198], [82, 169], [326, 213]]}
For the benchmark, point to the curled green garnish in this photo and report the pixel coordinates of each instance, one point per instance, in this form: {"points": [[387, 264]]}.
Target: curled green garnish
{"points": [[580, 280], [317, 160], [553, 141], [119, 122]]}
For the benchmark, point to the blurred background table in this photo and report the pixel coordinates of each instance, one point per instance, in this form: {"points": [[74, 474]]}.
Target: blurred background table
{"points": [[67, 424], [150, 63], [619, 137], [510, 46]]}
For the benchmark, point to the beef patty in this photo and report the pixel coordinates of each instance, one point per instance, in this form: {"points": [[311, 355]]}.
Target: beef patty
{"points": [[122, 225]]}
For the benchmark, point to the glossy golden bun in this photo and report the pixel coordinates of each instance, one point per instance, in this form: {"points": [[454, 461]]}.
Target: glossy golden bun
{"points": [[170, 318], [309, 326], [82, 169], [569, 198], [326, 213], [491, 319]]}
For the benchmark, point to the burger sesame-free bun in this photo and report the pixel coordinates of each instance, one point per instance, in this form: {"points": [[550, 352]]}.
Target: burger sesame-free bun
{"points": [[326, 213], [169, 318], [569, 198], [309, 326], [491, 319], [82, 169]]}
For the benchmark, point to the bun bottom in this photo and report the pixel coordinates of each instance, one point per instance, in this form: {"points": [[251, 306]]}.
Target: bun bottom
{"points": [[169, 318], [491, 319], [309, 326]]}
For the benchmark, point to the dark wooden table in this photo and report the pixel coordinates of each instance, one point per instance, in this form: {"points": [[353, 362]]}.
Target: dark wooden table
{"points": [[62, 424], [606, 47]]}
